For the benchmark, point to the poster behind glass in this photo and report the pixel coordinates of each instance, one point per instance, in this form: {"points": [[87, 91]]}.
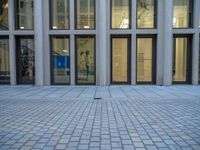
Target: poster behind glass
{"points": [[85, 61], [3, 14]]}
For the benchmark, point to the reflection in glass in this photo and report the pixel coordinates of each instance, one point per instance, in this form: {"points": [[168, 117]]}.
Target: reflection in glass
{"points": [[180, 59], [4, 61], [85, 61], [60, 60], [120, 14], [119, 60], [24, 14], [3, 14], [26, 61], [145, 13], [85, 14], [181, 14], [144, 59], [59, 14]]}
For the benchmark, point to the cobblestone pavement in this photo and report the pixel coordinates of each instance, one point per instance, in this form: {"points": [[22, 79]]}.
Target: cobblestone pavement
{"points": [[116, 117]]}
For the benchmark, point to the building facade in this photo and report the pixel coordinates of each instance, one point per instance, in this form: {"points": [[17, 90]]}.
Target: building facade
{"points": [[99, 42]]}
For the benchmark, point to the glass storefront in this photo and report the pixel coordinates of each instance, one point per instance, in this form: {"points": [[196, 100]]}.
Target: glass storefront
{"points": [[146, 13], [59, 14], [3, 14], [85, 60], [85, 14], [145, 60], [181, 59], [120, 60], [4, 61], [182, 14], [120, 14], [60, 60], [25, 60], [24, 14]]}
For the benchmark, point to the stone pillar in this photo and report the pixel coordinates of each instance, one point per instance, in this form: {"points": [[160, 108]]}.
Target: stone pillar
{"points": [[167, 39], [38, 37], [102, 41]]}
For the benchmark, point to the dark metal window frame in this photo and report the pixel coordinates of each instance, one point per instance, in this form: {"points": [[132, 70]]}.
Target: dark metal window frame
{"points": [[51, 59], [76, 58], [6, 38], [189, 58], [154, 49], [18, 67], [130, 17], [128, 37], [191, 16], [75, 17], [51, 16], [16, 11], [155, 16]]}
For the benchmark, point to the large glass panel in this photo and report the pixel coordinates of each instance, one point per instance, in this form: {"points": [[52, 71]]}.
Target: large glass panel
{"points": [[25, 61], [146, 13], [180, 59], [182, 13], [85, 14], [59, 14], [144, 59], [3, 14], [119, 66], [4, 61], [24, 14], [85, 60], [60, 60], [120, 14]]}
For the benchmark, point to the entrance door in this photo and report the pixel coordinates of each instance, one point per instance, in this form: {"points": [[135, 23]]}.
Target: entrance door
{"points": [[25, 60], [120, 60]]}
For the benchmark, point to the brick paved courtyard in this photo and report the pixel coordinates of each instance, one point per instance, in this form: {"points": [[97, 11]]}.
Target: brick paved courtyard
{"points": [[115, 117]]}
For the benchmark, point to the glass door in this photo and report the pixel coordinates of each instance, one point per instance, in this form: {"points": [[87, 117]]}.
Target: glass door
{"points": [[146, 59], [120, 61], [25, 60], [182, 59]]}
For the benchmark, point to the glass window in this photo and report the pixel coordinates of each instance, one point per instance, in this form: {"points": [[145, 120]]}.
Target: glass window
{"points": [[85, 60], [4, 61], [85, 14], [181, 59], [145, 62], [60, 60], [182, 15], [25, 60], [59, 14], [24, 14], [146, 13], [3, 14], [120, 14], [120, 61]]}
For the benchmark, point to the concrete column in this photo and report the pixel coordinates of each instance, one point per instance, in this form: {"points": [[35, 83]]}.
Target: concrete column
{"points": [[195, 52], [167, 41], [102, 40], [12, 43], [38, 25]]}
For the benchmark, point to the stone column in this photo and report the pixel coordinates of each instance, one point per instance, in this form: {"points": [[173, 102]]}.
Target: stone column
{"points": [[102, 41], [38, 37], [167, 38]]}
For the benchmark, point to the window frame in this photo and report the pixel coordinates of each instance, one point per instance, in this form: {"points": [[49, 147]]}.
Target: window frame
{"points": [[155, 20], [51, 17], [76, 21], [130, 17]]}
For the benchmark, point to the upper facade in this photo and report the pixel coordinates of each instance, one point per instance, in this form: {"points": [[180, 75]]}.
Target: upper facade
{"points": [[99, 42]]}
